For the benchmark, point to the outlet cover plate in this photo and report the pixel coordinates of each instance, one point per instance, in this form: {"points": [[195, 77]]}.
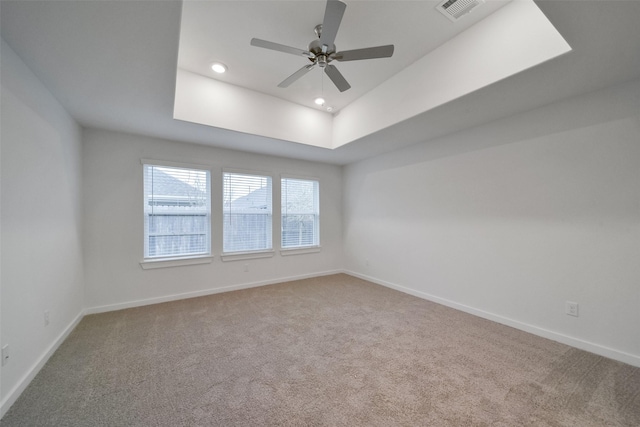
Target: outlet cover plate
{"points": [[571, 308]]}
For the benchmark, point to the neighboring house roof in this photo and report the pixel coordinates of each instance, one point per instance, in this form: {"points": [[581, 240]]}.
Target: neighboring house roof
{"points": [[168, 189], [257, 199]]}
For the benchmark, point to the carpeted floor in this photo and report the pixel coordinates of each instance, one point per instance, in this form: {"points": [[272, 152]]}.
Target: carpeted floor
{"points": [[329, 351]]}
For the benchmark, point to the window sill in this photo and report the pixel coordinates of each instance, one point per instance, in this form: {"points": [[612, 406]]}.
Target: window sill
{"points": [[300, 251], [148, 264], [237, 256]]}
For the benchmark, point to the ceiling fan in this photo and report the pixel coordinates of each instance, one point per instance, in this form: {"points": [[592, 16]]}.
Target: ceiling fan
{"points": [[322, 50]]}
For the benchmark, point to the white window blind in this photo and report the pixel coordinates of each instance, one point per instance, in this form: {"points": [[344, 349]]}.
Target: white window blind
{"points": [[177, 212], [247, 212], [300, 213]]}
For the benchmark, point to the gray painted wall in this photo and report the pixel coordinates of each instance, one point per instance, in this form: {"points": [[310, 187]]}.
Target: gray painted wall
{"points": [[113, 208], [42, 259], [511, 219]]}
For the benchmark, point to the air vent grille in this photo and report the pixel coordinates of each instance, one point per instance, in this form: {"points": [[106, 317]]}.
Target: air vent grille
{"points": [[456, 9]]}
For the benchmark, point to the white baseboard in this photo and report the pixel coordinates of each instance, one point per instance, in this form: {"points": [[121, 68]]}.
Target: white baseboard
{"points": [[14, 393], [186, 295], [598, 349]]}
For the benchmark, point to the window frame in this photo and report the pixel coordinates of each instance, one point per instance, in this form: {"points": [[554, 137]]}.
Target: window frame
{"points": [[298, 250], [248, 254], [206, 257]]}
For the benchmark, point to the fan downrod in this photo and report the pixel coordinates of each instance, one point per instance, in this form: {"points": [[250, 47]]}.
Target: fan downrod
{"points": [[322, 53]]}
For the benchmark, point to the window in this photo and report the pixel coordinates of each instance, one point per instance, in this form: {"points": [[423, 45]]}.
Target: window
{"points": [[177, 212], [246, 212], [300, 213]]}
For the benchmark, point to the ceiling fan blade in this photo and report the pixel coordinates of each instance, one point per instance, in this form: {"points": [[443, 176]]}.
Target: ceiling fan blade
{"points": [[366, 53], [332, 18], [281, 48], [337, 78], [295, 76]]}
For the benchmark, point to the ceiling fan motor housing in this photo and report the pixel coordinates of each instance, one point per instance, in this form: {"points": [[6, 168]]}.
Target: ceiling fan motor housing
{"points": [[322, 57]]}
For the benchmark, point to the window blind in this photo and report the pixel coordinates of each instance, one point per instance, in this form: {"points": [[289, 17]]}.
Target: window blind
{"points": [[246, 212], [300, 213], [177, 211]]}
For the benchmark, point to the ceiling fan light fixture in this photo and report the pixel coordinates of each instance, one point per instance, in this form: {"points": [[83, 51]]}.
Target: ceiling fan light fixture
{"points": [[218, 67], [319, 101]]}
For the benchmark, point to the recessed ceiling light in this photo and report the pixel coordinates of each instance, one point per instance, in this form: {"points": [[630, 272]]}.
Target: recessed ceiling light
{"points": [[219, 67], [319, 101], [329, 109]]}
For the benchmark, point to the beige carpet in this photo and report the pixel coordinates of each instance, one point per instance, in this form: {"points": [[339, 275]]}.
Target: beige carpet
{"points": [[330, 351]]}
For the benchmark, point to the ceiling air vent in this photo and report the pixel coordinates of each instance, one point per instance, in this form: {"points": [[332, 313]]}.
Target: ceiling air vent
{"points": [[456, 9]]}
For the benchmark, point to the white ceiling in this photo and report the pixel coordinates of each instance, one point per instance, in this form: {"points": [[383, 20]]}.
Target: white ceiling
{"points": [[221, 30], [112, 64], [514, 38]]}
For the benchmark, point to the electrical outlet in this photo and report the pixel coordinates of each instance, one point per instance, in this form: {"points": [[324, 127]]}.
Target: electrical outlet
{"points": [[366, 262], [5, 354], [246, 268], [46, 318], [571, 308]]}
